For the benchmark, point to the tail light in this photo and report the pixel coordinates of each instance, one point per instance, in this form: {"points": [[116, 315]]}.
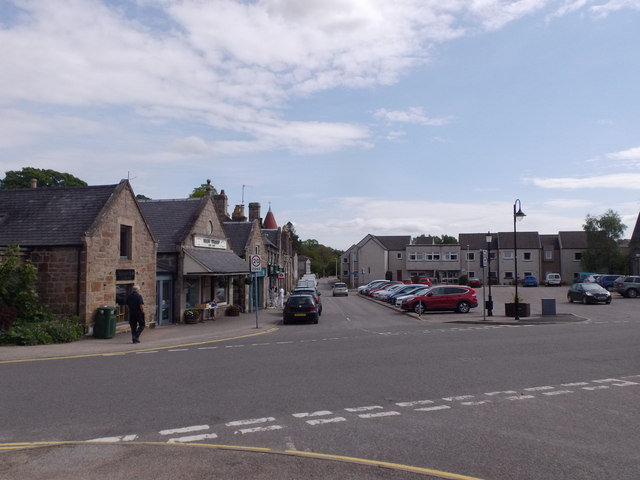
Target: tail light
{"points": [[314, 308], [286, 308]]}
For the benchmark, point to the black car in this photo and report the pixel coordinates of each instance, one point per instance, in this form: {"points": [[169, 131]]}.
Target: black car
{"points": [[309, 291], [300, 307], [588, 293]]}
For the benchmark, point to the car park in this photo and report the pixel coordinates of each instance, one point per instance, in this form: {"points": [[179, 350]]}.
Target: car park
{"points": [[474, 282], [386, 285], [529, 281], [582, 277], [552, 279], [340, 289], [588, 293], [371, 284], [628, 286], [383, 293], [458, 298], [300, 307], [405, 290], [402, 298]]}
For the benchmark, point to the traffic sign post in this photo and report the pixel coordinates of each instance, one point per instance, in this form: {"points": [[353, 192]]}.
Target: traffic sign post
{"points": [[256, 267]]}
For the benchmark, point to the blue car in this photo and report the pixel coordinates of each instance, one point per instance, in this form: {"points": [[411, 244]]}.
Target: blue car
{"points": [[529, 281]]}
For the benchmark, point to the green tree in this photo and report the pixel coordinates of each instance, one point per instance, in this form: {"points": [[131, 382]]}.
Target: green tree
{"points": [[423, 239], [446, 240], [17, 284], [324, 260], [603, 235], [142, 197], [198, 192], [45, 178]]}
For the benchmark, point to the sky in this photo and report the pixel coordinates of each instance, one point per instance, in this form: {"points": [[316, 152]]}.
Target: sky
{"points": [[345, 117]]}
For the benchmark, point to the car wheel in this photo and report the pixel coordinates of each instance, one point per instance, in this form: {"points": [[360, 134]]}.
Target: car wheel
{"points": [[632, 293], [608, 301], [418, 308], [584, 300], [284, 321], [570, 298], [463, 307], [315, 321]]}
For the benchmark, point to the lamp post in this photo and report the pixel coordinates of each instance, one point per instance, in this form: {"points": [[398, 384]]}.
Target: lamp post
{"points": [[490, 302], [517, 216], [467, 263]]}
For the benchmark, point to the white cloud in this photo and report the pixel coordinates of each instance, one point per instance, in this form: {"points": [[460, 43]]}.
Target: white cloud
{"points": [[628, 158], [413, 115], [618, 180], [598, 8], [566, 203]]}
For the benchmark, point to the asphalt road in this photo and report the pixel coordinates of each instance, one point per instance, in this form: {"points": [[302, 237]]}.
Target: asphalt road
{"points": [[478, 401]]}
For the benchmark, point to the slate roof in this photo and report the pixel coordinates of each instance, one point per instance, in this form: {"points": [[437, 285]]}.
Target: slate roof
{"points": [[525, 240], [218, 261], [576, 239], [551, 241], [393, 242], [170, 220], [50, 216], [270, 237], [477, 241], [238, 234]]}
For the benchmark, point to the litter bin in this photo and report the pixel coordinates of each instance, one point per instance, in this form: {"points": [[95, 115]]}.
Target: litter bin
{"points": [[548, 306], [105, 324]]}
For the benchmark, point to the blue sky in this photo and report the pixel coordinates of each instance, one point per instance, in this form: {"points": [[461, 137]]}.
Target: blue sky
{"points": [[348, 117]]}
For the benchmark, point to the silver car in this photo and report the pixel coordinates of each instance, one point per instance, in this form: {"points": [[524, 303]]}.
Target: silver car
{"points": [[340, 289]]}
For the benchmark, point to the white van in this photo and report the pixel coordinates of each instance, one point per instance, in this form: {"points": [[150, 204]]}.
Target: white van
{"points": [[552, 279]]}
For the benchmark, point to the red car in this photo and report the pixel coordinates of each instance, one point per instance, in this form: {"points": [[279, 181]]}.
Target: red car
{"points": [[474, 282], [457, 298]]}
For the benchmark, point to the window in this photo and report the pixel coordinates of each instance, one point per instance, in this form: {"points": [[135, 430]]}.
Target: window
{"points": [[125, 241], [399, 255], [508, 275], [345, 272], [548, 255], [507, 256], [577, 256], [345, 260], [493, 256], [210, 227], [419, 256], [257, 249], [528, 274], [451, 256], [412, 256], [472, 274], [526, 256], [433, 256], [471, 256]]}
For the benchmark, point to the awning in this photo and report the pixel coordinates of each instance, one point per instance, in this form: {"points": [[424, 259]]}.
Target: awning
{"points": [[213, 262]]}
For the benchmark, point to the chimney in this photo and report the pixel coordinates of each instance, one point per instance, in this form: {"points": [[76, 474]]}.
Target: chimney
{"points": [[34, 183], [220, 204], [238, 214], [254, 212], [208, 188]]}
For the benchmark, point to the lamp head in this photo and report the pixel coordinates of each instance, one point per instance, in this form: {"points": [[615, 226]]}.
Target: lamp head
{"points": [[488, 237]]}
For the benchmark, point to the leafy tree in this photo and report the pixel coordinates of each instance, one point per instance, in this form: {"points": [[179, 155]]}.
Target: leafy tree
{"points": [[603, 234], [198, 192], [445, 240], [323, 259], [45, 178], [142, 197], [423, 239], [17, 284], [295, 239]]}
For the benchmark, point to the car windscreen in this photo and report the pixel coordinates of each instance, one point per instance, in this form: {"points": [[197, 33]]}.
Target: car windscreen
{"points": [[592, 287], [300, 300]]}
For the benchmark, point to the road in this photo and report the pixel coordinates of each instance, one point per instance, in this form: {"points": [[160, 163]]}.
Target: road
{"points": [[479, 401]]}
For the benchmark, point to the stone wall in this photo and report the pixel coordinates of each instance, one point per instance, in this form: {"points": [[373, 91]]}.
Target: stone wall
{"points": [[59, 280]]}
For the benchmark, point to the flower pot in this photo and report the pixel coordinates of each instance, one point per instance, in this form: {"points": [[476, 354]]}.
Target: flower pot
{"points": [[524, 309]]}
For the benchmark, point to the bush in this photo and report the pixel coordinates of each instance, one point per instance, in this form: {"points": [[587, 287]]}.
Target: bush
{"points": [[463, 279], [47, 331]]}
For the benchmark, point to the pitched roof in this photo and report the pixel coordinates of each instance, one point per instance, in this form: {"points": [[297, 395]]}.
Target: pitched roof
{"points": [[577, 239], [51, 216], [550, 240], [477, 241], [171, 220], [270, 237], [217, 261], [238, 234], [270, 221], [393, 242], [525, 240]]}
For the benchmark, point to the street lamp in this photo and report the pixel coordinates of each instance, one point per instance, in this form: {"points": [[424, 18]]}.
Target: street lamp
{"points": [[489, 305], [517, 217]]}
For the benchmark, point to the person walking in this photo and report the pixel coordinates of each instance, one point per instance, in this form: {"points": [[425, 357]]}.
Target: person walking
{"points": [[136, 313], [281, 298]]}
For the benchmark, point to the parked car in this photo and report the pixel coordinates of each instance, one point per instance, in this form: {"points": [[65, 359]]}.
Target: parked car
{"points": [[588, 293], [474, 282], [405, 290], [300, 307], [607, 281], [371, 284], [340, 289], [458, 298], [582, 277], [402, 298], [552, 279], [386, 285], [309, 291], [383, 293], [529, 281], [628, 286]]}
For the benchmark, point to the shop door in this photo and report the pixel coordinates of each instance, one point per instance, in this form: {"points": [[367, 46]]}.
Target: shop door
{"points": [[164, 289]]}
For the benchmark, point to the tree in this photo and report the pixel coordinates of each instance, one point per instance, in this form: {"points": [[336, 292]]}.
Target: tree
{"points": [[423, 239], [142, 197], [17, 284], [324, 260], [603, 234], [198, 192], [45, 178], [445, 240]]}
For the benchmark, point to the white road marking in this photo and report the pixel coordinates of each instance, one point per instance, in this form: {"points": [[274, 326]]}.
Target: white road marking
{"points": [[458, 398], [234, 346], [363, 409], [378, 414], [319, 413], [575, 384], [178, 350], [194, 428], [250, 421], [260, 344], [616, 382], [258, 429], [491, 394], [283, 343], [193, 438], [413, 404], [207, 348], [558, 392], [599, 387], [472, 404], [433, 409], [536, 389], [125, 438], [321, 421], [520, 397]]}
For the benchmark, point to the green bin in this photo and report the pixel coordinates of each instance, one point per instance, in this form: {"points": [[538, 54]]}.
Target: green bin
{"points": [[105, 324]]}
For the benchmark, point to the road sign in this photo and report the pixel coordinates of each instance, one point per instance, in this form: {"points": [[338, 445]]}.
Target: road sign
{"points": [[256, 264]]}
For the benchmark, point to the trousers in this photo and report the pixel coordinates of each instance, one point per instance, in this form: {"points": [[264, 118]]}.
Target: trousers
{"points": [[137, 326]]}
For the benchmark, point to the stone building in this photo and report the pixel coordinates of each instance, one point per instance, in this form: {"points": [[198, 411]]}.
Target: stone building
{"points": [[89, 244]]}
